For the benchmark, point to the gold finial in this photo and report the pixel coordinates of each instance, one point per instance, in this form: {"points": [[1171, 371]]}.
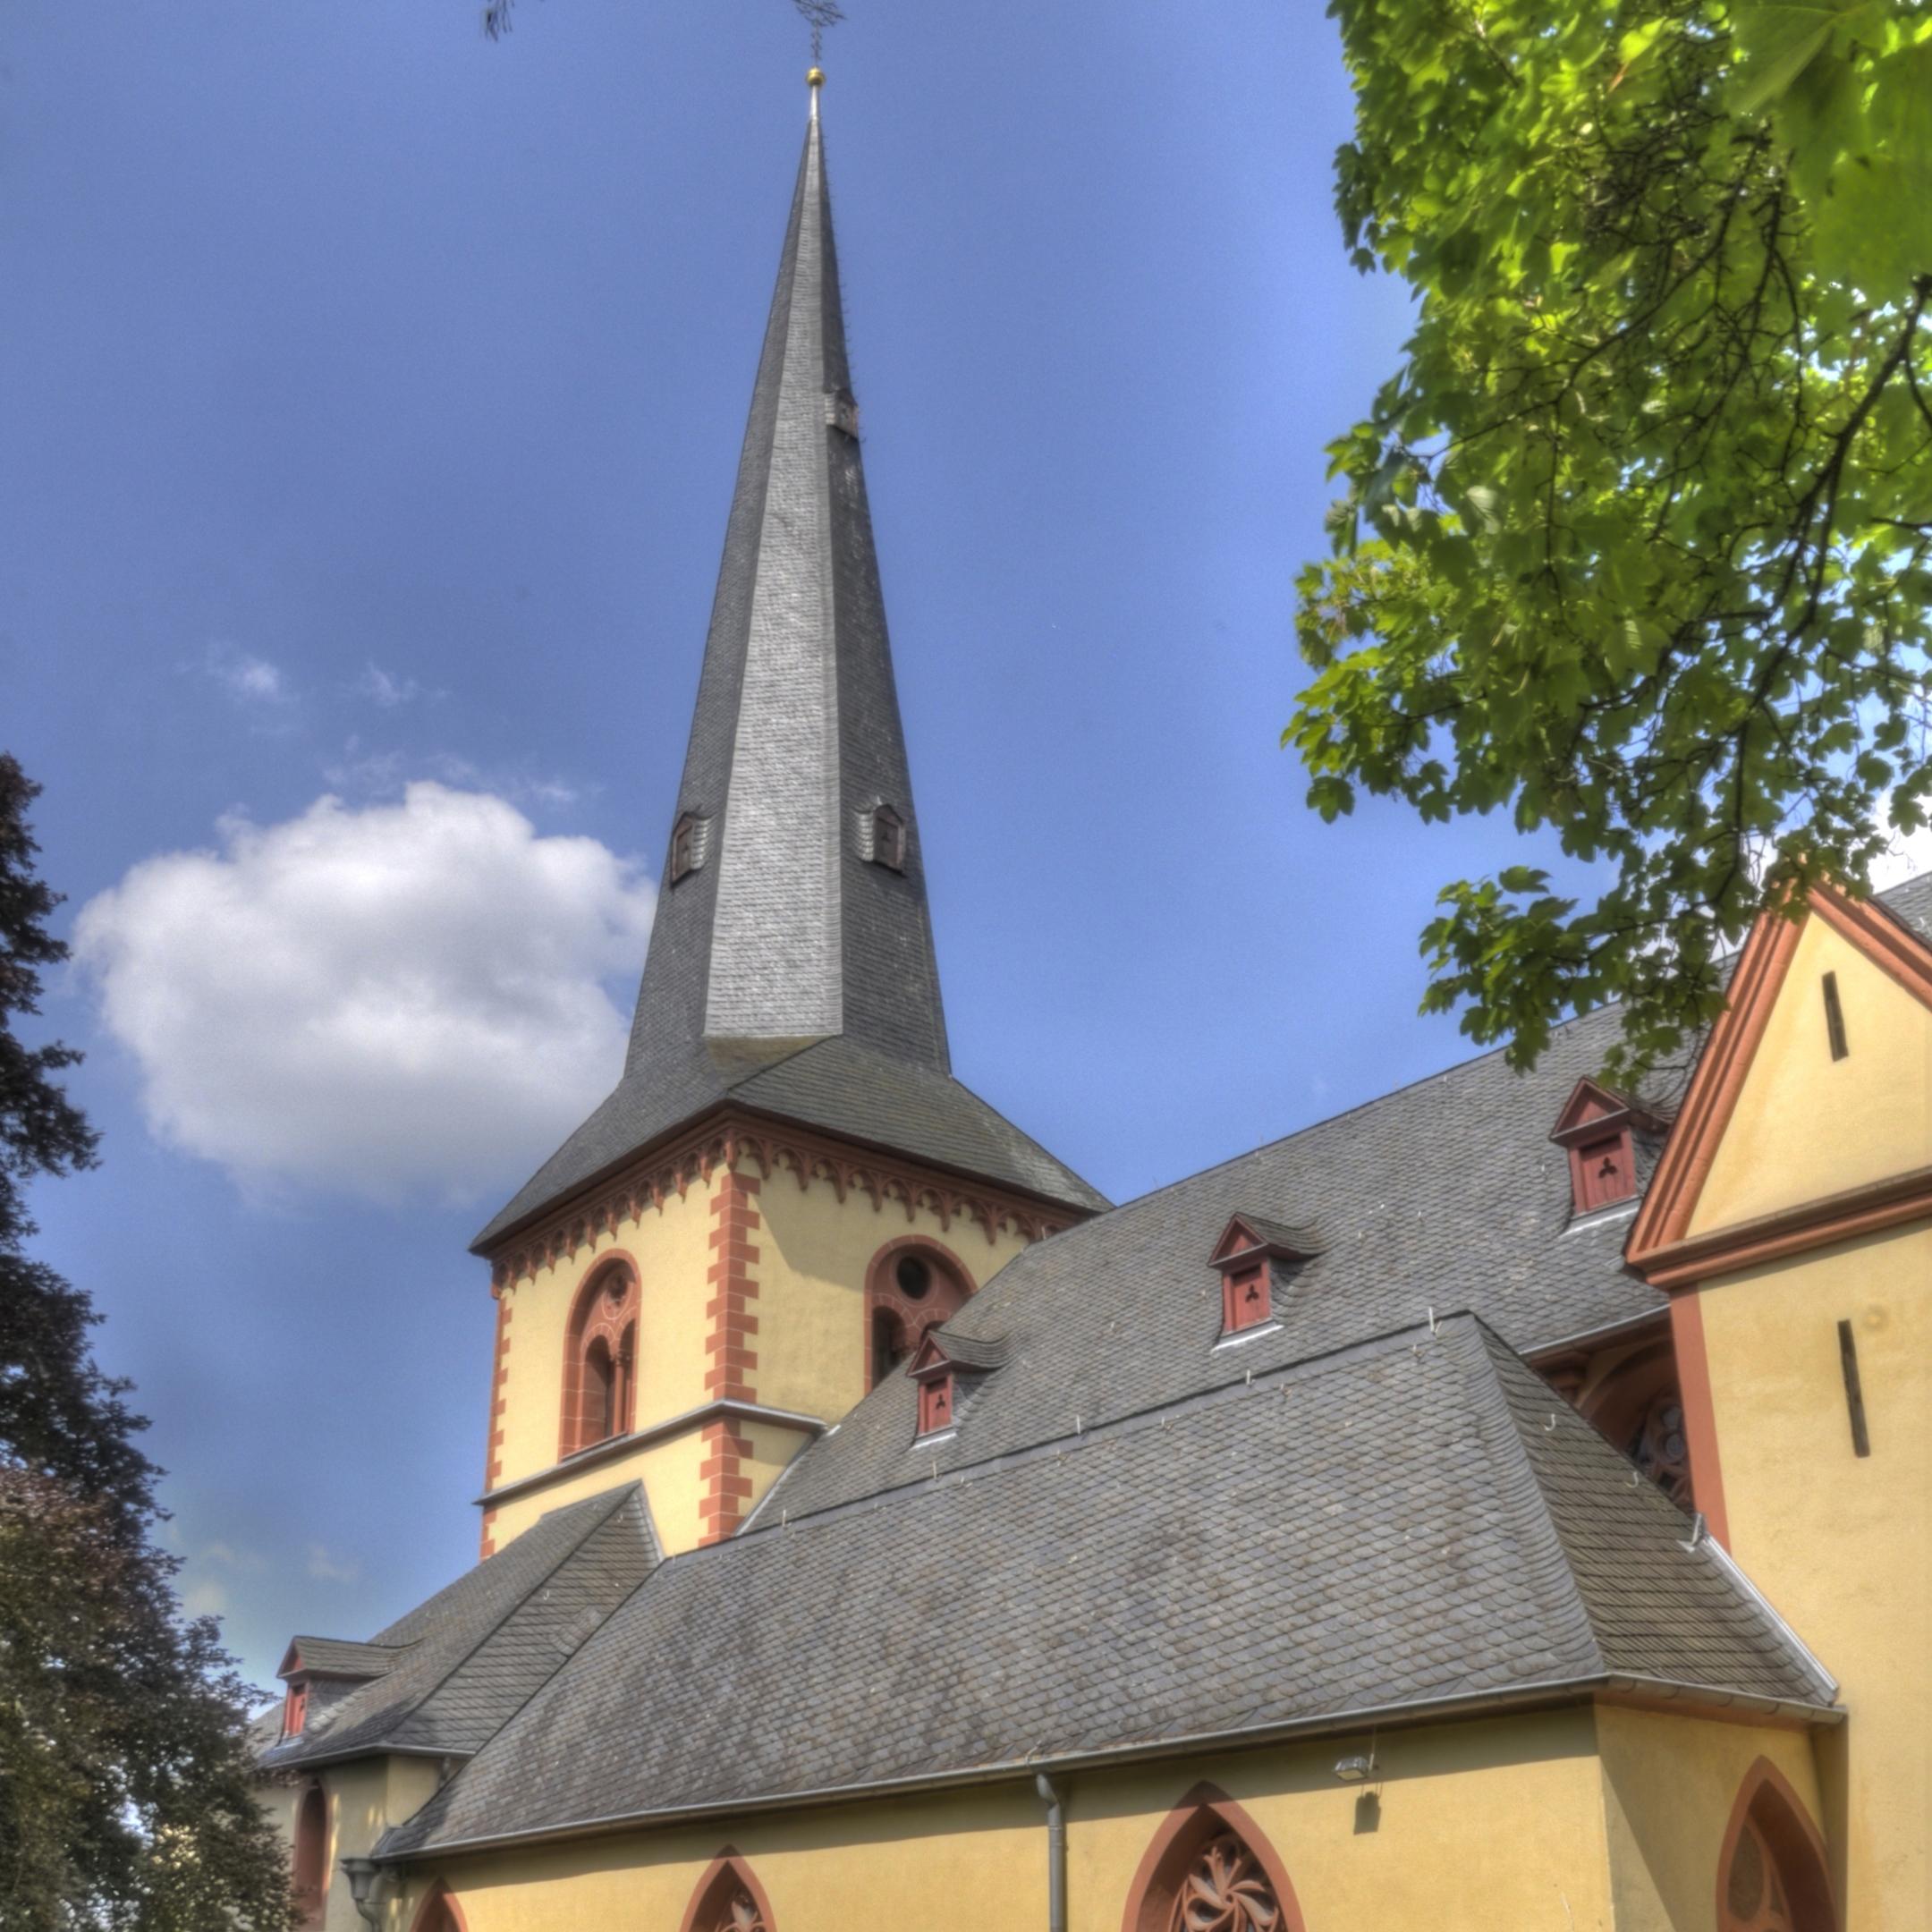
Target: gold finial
{"points": [[815, 77]]}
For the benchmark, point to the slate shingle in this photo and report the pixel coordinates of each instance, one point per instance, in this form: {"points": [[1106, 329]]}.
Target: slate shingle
{"points": [[1389, 1527], [466, 1659]]}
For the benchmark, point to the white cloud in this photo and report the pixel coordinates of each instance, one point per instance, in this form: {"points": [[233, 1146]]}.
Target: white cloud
{"points": [[385, 689], [403, 999], [328, 1569], [248, 680]]}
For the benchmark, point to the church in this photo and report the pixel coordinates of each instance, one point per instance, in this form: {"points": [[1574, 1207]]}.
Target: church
{"points": [[1502, 1507]]}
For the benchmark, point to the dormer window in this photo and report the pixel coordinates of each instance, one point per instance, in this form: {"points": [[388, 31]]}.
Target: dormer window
{"points": [[295, 1708], [943, 1369], [888, 838], [1598, 1130], [1256, 1257], [688, 840]]}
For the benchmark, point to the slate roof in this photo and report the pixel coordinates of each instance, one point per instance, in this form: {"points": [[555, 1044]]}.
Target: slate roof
{"points": [[1444, 1194], [1910, 904], [786, 934], [1411, 1522], [462, 1662]]}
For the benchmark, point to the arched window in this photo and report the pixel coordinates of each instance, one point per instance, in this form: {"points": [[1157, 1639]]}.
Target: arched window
{"points": [[311, 1854], [911, 1285], [1638, 1406], [1210, 1869], [599, 1359], [1771, 1871], [440, 1912], [728, 1898]]}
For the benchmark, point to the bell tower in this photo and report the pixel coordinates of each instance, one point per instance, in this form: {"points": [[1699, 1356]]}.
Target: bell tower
{"points": [[787, 1186]]}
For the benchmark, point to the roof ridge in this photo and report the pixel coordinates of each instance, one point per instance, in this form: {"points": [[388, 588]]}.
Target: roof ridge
{"points": [[612, 1502], [1309, 1368], [632, 1492], [1480, 1368]]}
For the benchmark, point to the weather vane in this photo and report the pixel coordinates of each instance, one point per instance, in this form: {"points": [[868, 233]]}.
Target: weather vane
{"points": [[819, 15]]}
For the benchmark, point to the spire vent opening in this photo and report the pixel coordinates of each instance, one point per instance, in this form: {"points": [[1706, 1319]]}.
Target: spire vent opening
{"points": [[882, 837], [691, 843], [841, 413]]}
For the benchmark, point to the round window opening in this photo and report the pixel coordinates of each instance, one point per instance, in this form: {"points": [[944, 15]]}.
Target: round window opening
{"points": [[914, 1275]]}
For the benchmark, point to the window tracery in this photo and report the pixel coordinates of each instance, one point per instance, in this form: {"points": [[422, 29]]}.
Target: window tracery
{"points": [[1211, 1869], [911, 1286], [728, 1898], [1771, 1872], [1225, 1890], [600, 1360]]}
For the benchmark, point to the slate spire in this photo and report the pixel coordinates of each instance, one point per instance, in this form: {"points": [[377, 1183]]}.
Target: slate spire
{"points": [[787, 929], [790, 970]]}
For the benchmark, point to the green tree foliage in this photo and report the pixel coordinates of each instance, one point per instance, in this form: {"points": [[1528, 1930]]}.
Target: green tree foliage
{"points": [[126, 1802], [1634, 543]]}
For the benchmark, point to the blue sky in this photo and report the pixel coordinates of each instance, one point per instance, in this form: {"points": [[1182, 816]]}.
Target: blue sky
{"points": [[376, 394]]}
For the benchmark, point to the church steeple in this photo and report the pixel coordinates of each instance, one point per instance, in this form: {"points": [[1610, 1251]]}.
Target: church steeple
{"points": [[791, 967], [787, 926]]}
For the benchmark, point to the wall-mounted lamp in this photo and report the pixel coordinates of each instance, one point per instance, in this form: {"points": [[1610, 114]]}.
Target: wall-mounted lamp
{"points": [[1355, 1770], [365, 1878]]}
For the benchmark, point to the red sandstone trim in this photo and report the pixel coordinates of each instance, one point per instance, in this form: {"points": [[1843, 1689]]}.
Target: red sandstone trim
{"points": [[726, 1871], [1714, 1087], [1205, 1812], [440, 1912], [723, 1486], [499, 1404], [1700, 1413], [953, 1287], [1658, 1246], [773, 1146], [1803, 1862], [1861, 1210]]}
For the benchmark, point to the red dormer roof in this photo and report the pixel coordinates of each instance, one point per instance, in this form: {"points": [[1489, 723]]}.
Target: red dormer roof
{"points": [[1593, 1110], [1247, 1235]]}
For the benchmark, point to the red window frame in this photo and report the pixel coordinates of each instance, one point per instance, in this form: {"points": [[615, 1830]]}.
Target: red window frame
{"points": [[295, 1709]]}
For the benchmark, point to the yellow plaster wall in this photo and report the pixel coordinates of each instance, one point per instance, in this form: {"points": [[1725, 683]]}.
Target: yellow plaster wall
{"points": [[365, 1798], [1669, 1786], [673, 1253], [814, 1253], [1479, 1827], [1807, 1125], [1842, 1544], [668, 1470], [772, 1448]]}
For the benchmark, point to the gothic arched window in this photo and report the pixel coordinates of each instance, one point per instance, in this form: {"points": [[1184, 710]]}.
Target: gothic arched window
{"points": [[311, 1854], [1211, 1869], [440, 1912], [1638, 1406], [911, 1286], [600, 1360], [1771, 1872], [729, 1898]]}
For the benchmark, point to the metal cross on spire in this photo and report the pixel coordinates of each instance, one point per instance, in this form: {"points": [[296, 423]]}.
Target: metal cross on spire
{"points": [[819, 15]]}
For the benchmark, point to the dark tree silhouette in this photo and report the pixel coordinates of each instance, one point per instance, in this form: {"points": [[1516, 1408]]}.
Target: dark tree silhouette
{"points": [[126, 1796]]}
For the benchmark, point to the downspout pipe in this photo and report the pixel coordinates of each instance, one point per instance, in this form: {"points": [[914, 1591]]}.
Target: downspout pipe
{"points": [[1056, 1852]]}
